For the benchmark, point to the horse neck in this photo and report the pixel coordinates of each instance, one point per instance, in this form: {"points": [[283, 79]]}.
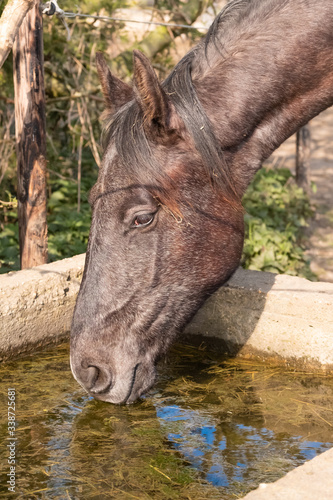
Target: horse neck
{"points": [[271, 75]]}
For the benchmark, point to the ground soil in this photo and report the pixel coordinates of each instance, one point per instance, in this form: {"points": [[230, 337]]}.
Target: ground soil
{"points": [[320, 232]]}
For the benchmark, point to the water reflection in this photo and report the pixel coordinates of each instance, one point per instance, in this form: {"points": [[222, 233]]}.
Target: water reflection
{"points": [[231, 452], [233, 425]]}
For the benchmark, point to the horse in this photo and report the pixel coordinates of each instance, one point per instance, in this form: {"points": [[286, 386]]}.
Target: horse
{"points": [[167, 220]]}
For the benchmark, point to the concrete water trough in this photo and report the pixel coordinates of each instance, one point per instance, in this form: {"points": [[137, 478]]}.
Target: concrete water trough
{"points": [[281, 318], [278, 318]]}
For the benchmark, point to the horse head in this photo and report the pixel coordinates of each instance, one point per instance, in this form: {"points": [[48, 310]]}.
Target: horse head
{"points": [[166, 231]]}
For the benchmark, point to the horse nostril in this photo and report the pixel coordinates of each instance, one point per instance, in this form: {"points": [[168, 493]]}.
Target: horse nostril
{"points": [[91, 376], [95, 378]]}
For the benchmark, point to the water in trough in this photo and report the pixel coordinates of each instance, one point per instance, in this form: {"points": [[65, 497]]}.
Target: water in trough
{"points": [[211, 428]]}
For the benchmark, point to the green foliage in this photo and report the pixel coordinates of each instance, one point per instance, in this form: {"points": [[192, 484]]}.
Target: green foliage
{"points": [[9, 245], [276, 214], [68, 229], [9, 241]]}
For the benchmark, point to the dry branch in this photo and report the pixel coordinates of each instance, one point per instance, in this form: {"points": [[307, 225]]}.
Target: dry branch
{"points": [[162, 36], [10, 22], [303, 156]]}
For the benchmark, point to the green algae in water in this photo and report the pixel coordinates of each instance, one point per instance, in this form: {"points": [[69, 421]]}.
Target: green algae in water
{"points": [[211, 428]]}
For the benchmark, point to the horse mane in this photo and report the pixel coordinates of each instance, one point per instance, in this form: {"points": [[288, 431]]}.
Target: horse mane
{"points": [[126, 129]]}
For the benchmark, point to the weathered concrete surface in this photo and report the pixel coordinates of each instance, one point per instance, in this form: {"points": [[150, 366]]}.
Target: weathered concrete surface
{"points": [[36, 305], [286, 319], [311, 481], [280, 317]]}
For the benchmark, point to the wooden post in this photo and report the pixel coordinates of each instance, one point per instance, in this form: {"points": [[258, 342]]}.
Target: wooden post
{"points": [[303, 143], [30, 125]]}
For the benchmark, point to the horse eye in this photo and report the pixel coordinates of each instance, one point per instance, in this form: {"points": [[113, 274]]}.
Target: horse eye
{"points": [[142, 220]]}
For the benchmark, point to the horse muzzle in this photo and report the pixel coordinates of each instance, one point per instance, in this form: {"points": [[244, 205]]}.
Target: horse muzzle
{"points": [[119, 384]]}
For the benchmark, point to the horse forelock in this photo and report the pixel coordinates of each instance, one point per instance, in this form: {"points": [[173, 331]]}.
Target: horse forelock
{"points": [[135, 149], [125, 132]]}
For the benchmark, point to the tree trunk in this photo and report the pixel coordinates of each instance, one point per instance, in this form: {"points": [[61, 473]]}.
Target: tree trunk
{"points": [[30, 139], [303, 147], [11, 19]]}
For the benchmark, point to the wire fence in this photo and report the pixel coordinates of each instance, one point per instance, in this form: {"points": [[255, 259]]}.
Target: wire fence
{"points": [[51, 8]]}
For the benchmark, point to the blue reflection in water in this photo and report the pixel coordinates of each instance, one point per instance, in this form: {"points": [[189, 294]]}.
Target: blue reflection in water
{"points": [[226, 451]]}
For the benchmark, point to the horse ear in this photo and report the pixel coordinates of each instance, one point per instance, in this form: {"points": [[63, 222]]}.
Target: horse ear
{"points": [[116, 93], [150, 94]]}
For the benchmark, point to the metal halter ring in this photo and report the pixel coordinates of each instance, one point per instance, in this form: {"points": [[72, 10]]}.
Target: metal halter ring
{"points": [[51, 10]]}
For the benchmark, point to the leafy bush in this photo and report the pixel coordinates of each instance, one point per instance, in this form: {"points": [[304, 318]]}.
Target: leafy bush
{"points": [[276, 214], [9, 245], [9, 239], [68, 229]]}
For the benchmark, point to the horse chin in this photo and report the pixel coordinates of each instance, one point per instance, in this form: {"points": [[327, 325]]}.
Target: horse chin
{"points": [[144, 379]]}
